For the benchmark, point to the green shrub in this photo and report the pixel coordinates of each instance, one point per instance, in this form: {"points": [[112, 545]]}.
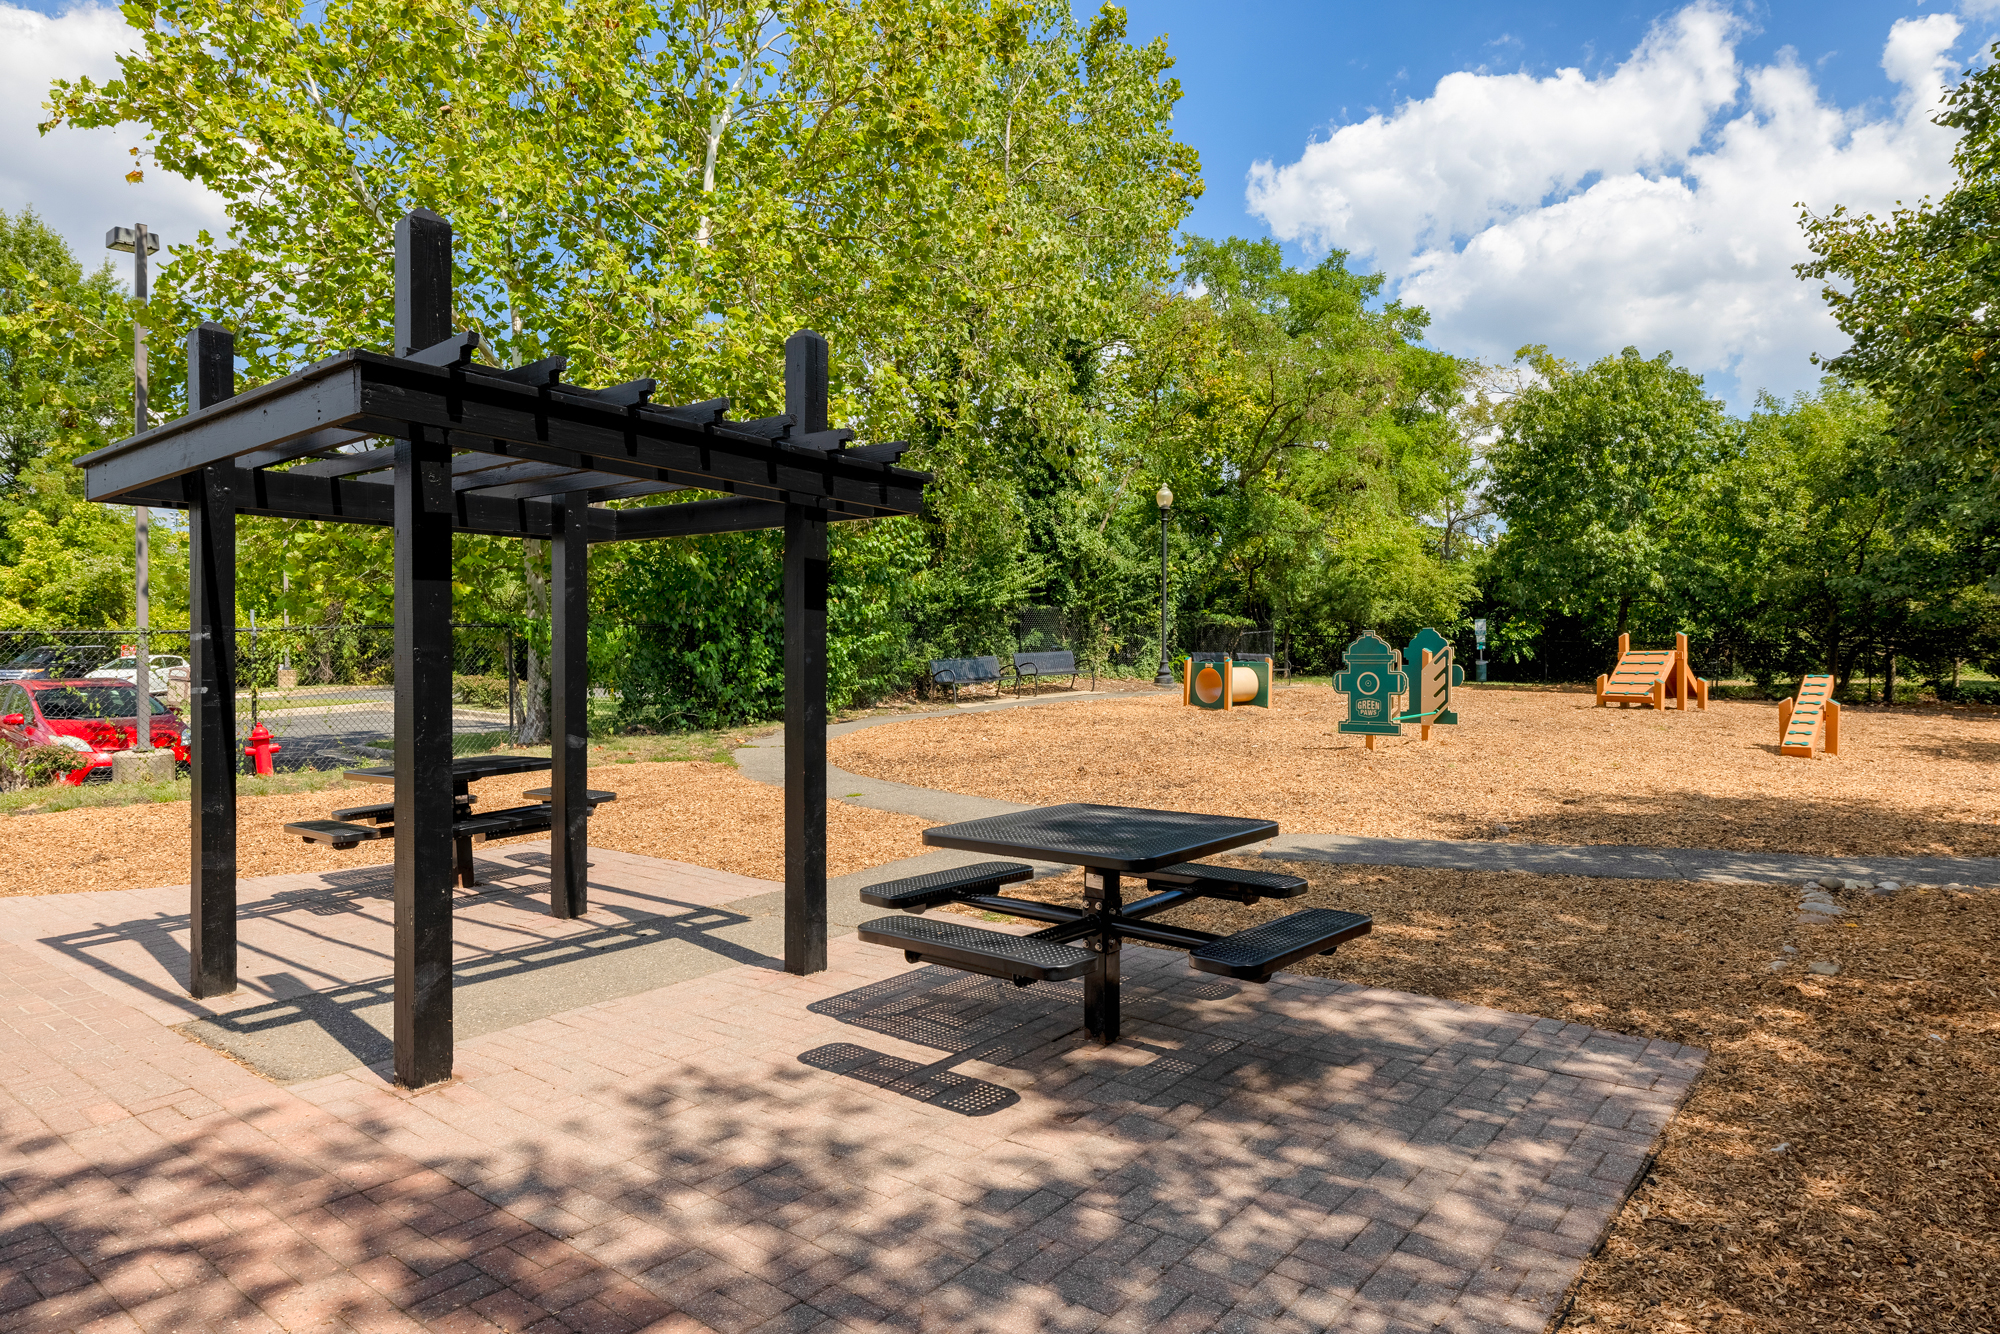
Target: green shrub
{"points": [[35, 766], [1970, 692], [479, 692]]}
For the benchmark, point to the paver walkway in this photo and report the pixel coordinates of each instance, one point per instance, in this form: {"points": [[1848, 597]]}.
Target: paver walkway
{"points": [[875, 1147]]}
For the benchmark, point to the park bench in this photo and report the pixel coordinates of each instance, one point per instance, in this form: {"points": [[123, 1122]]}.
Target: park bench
{"points": [[956, 672], [1253, 955], [1034, 666], [344, 831]]}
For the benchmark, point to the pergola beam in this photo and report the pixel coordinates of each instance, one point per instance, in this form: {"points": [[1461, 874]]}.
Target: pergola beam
{"points": [[362, 393]]}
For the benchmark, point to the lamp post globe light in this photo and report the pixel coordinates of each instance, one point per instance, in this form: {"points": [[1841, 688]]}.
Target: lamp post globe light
{"points": [[1166, 498], [139, 243]]}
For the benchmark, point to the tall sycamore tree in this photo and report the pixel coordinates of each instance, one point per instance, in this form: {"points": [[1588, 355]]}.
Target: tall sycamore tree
{"points": [[959, 193]]}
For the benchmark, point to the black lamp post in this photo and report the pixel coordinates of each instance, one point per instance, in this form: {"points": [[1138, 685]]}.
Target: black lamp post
{"points": [[1166, 499]]}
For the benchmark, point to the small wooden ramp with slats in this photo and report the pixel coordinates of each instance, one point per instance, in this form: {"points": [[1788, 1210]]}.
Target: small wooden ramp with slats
{"points": [[1811, 721], [1650, 675]]}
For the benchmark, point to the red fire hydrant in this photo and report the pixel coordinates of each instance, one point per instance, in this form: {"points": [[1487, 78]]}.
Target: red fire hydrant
{"points": [[260, 748]]}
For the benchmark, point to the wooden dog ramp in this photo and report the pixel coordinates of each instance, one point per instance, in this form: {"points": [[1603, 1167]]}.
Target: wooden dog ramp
{"points": [[1650, 675], [1811, 721]]}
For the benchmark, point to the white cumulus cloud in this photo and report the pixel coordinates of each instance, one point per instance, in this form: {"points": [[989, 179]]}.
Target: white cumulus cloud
{"points": [[1655, 205], [75, 179]]}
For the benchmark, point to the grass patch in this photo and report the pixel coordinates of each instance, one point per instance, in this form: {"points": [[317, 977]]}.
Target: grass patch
{"points": [[716, 747], [62, 797]]}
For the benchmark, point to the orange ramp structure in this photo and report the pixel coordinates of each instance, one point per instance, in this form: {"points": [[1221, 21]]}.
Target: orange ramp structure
{"points": [[1648, 676], [1811, 721]]}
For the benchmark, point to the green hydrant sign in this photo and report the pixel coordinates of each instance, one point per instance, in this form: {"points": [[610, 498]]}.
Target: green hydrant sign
{"points": [[1372, 682]]}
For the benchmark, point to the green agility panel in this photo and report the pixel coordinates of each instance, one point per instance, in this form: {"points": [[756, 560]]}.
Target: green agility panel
{"points": [[1430, 694], [1372, 682], [1207, 680]]}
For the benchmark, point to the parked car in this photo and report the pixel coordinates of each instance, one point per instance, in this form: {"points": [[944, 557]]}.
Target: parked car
{"points": [[162, 670], [92, 718], [54, 662]]}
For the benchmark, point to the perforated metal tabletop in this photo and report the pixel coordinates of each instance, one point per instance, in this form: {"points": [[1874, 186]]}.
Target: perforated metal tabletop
{"points": [[465, 769], [1104, 838]]}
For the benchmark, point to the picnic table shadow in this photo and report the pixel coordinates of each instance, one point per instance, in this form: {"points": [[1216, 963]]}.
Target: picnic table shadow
{"points": [[315, 1025], [969, 1018]]}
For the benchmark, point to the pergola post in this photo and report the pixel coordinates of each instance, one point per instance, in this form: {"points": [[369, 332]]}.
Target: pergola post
{"points": [[805, 677], [569, 705], [211, 511], [423, 529]]}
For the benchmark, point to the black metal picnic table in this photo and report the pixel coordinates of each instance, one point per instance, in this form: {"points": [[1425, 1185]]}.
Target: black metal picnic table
{"points": [[465, 770], [1110, 843], [342, 832]]}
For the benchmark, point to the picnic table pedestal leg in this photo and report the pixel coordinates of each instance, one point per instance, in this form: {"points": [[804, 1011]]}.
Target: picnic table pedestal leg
{"points": [[1100, 984], [212, 685]]}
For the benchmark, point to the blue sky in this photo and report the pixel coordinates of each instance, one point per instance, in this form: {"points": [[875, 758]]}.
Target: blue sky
{"points": [[1261, 77], [1585, 176]]}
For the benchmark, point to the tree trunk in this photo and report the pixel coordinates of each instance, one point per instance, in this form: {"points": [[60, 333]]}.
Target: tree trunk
{"points": [[1624, 613], [1889, 678], [533, 728]]}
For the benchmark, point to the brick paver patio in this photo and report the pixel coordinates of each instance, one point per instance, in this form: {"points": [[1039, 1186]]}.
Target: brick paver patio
{"points": [[875, 1147]]}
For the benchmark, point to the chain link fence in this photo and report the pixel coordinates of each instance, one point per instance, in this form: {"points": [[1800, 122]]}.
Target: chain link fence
{"points": [[326, 694]]}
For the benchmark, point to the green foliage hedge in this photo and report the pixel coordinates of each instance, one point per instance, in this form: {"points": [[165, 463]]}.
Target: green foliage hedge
{"points": [[34, 766]]}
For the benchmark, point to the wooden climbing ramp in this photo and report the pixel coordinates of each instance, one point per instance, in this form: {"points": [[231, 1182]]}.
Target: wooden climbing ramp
{"points": [[1648, 676], [1811, 721]]}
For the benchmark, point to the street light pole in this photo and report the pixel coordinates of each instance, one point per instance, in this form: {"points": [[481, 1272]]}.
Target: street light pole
{"points": [[1166, 499], [141, 243]]}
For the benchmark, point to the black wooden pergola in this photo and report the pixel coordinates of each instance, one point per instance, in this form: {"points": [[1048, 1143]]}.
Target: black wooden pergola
{"points": [[516, 453]]}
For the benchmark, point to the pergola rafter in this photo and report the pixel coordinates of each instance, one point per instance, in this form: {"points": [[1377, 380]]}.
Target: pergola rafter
{"points": [[512, 452]]}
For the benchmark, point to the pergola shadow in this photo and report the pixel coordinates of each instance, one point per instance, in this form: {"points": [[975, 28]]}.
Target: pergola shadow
{"points": [[509, 451], [314, 1025]]}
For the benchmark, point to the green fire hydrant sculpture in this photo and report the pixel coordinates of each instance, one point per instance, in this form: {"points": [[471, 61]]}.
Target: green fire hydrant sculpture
{"points": [[1372, 681]]}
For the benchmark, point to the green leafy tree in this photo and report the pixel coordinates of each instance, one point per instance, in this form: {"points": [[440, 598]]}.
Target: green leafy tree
{"points": [[66, 389], [1599, 476], [1308, 438], [1918, 293], [1819, 572], [964, 196]]}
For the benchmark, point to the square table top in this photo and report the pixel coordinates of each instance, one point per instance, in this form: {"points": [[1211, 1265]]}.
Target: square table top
{"points": [[466, 768], [1104, 838]]}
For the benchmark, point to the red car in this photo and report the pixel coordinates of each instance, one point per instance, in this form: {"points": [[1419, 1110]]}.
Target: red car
{"points": [[92, 718]]}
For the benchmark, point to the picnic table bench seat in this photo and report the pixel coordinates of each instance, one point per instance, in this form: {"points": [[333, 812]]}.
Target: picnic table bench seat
{"points": [[915, 893], [1255, 954], [382, 812], [343, 832], [595, 796], [339, 833], [972, 949], [1225, 882]]}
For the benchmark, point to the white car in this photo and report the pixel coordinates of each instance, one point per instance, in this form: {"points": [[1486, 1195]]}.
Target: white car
{"points": [[162, 669]]}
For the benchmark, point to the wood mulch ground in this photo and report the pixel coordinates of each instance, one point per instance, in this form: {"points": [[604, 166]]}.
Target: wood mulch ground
{"points": [[691, 811], [1834, 1167], [1551, 766]]}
